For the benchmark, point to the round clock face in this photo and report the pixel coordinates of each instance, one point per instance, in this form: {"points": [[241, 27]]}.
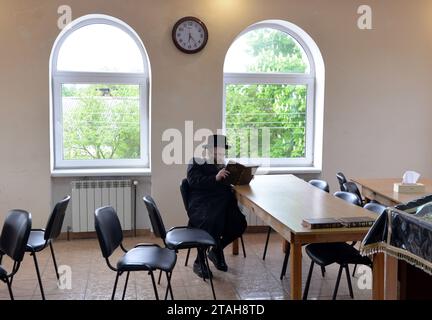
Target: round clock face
{"points": [[190, 35]]}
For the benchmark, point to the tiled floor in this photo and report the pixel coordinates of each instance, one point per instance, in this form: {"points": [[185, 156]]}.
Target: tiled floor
{"points": [[247, 278]]}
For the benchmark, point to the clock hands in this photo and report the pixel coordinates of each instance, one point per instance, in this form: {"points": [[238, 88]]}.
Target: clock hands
{"points": [[191, 38]]}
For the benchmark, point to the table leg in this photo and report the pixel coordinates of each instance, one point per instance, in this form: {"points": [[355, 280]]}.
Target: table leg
{"points": [[378, 277], [296, 271], [285, 245], [391, 278], [235, 247]]}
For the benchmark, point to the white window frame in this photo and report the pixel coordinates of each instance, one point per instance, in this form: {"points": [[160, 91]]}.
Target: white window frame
{"points": [[314, 114], [58, 78]]}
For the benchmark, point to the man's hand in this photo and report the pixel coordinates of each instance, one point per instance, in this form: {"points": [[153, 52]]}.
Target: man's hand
{"points": [[222, 174]]}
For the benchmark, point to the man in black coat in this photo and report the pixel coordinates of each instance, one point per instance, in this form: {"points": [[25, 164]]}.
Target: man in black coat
{"points": [[212, 203]]}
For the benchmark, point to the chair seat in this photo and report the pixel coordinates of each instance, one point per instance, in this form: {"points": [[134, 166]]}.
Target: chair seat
{"points": [[147, 258], [3, 273], [184, 238], [36, 241], [336, 252]]}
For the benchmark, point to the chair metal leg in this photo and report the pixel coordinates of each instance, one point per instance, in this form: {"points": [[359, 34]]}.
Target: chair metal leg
{"points": [[285, 262], [38, 275], [323, 271], [354, 271], [337, 282], [9, 285], [160, 276], [267, 241], [125, 286], [115, 285], [202, 263], [349, 282], [243, 246], [169, 288], [187, 257], [54, 260], [306, 289], [154, 285], [12, 277], [210, 277]]}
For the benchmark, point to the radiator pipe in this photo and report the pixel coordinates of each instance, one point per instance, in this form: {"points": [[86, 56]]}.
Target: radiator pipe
{"points": [[135, 183]]}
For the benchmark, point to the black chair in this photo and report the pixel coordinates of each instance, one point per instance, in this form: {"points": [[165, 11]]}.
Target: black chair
{"points": [[375, 207], [341, 179], [348, 197], [320, 184], [341, 253], [143, 257], [352, 188], [13, 240], [184, 237], [185, 191], [39, 238]]}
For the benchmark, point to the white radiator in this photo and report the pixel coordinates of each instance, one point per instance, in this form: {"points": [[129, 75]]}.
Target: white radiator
{"points": [[252, 219], [88, 195]]}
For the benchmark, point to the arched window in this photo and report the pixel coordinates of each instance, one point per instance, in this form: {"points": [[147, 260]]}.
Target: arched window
{"points": [[99, 96], [273, 96]]}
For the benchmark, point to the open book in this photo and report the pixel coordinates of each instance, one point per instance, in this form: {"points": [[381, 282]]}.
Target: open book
{"points": [[347, 222], [239, 174]]}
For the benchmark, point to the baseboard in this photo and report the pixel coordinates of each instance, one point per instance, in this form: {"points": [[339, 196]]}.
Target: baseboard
{"points": [[92, 235], [256, 229], [139, 232]]}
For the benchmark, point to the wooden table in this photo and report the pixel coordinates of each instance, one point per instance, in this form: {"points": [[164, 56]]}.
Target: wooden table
{"points": [[283, 201], [381, 190]]}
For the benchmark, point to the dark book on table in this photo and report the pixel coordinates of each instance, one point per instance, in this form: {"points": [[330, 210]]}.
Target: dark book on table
{"points": [[321, 223], [357, 222], [346, 222], [239, 174]]}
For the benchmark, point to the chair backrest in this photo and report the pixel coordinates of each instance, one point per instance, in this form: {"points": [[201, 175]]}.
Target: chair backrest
{"points": [[341, 179], [348, 197], [55, 221], [375, 207], [352, 187], [321, 184], [108, 230], [155, 217], [184, 190], [15, 234]]}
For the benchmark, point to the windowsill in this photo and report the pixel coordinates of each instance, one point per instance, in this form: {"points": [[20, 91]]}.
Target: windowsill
{"points": [[287, 170], [100, 172]]}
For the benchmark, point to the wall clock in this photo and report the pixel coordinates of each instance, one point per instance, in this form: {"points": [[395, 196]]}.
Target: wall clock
{"points": [[190, 35]]}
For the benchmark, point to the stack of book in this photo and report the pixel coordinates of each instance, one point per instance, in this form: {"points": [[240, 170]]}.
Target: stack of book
{"points": [[345, 222]]}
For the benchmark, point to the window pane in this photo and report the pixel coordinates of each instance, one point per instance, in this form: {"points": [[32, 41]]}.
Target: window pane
{"points": [[100, 48], [266, 50], [100, 121], [279, 110]]}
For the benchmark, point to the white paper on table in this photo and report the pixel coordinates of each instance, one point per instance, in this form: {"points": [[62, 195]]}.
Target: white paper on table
{"points": [[410, 177]]}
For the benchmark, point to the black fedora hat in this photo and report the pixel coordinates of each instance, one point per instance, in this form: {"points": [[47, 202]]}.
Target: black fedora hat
{"points": [[216, 140]]}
